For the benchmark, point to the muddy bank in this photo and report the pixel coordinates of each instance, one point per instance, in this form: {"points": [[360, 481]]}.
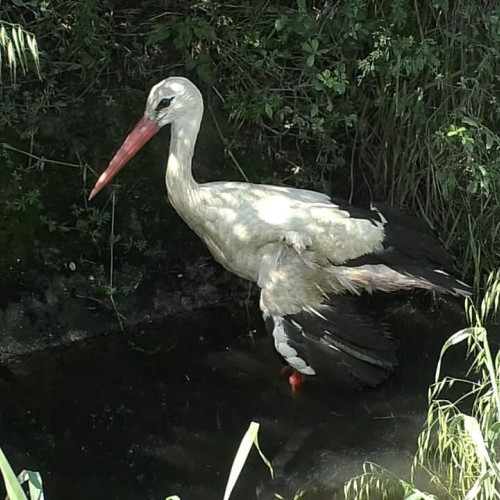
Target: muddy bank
{"points": [[62, 309]]}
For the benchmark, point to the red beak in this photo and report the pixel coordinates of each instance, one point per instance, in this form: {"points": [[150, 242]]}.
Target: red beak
{"points": [[140, 135]]}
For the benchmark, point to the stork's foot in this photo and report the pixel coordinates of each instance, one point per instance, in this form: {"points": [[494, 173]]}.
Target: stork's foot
{"points": [[295, 379]]}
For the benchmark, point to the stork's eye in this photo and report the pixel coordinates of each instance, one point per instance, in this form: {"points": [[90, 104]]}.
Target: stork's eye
{"points": [[164, 103]]}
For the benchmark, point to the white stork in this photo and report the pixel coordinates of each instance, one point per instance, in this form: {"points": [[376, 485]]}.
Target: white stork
{"points": [[301, 248]]}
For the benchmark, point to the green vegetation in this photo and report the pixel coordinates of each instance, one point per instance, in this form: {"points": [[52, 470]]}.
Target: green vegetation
{"points": [[249, 440], [458, 450], [15, 492], [13, 484], [391, 101], [15, 46]]}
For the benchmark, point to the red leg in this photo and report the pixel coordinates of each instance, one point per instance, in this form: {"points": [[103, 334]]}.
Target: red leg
{"points": [[295, 378]]}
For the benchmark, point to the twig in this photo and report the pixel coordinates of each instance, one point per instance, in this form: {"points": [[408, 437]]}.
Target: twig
{"points": [[46, 160], [111, 261], [225, 142]]}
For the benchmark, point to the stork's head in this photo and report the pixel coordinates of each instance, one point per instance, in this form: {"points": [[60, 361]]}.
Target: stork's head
{"points": [[172, 99], [169, 101]]}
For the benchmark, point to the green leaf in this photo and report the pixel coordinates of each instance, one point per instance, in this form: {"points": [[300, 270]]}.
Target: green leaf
{"points": [[249, 439], [262, 456], [35, 483], [159, 33], [306, 47], [456, 131], [339, 87], [281, 22], [12, 486], [310, 60], [268, 109], [472, 187], [258, 64], [325, 75], [241, 457], [455, 339]]}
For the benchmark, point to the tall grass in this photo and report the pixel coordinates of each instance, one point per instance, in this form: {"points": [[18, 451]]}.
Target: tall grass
{"points": [[16, 45], [433, 145], [458, 450]]}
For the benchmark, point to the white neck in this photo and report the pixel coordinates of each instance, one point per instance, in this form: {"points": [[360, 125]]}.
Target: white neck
{"points": [[181, 186]]}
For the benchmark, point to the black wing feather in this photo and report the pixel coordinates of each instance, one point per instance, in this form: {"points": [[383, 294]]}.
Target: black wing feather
{"points": [[411, 247], [342, 342]]}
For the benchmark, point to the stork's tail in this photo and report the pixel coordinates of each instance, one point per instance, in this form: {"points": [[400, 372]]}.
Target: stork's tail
{"points": [[438, 280], [388, 278], [337, 341]]}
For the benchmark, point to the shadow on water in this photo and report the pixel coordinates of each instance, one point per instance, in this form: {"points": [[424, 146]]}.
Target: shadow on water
{"points": [[162, 411]]}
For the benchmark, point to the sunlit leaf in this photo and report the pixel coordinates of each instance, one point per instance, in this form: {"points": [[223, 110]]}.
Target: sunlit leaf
{"points": [[12, 486], [159, 33], [456, 338], [249, 439], [35, 484], [268, 109], [15, 44], [456, 131]]}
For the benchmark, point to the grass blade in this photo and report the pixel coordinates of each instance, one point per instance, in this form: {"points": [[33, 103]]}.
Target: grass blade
{"points": [[249, 439], [35, 483], [12, 486]]}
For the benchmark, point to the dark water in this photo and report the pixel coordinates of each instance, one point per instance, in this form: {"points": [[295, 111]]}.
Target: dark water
{"points": [[161, 410]]}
